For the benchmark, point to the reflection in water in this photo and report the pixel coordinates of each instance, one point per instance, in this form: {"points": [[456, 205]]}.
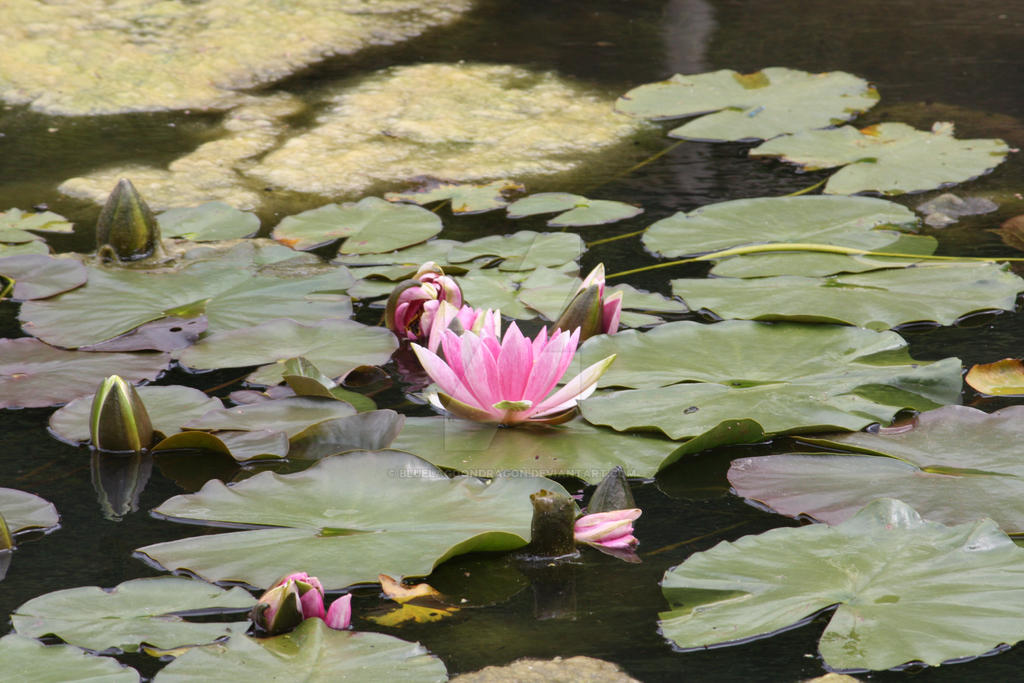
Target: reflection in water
{"points": [[119, 481]]}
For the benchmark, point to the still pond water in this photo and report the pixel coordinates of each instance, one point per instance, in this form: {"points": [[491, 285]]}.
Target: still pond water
{"points": [[931, 61]]}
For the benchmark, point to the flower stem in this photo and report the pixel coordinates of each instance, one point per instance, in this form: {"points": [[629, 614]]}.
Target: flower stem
{"points": [[812, 188], [606, 240], [808, 247]]}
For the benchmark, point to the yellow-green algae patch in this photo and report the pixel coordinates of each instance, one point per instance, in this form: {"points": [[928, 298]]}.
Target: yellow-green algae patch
{"points": [[107, 56], [210, 172], [457, 122]]}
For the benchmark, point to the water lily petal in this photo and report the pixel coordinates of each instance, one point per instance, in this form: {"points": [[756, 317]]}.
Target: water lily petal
{"points": [[575, 390], [444, 375], [339, 616]]}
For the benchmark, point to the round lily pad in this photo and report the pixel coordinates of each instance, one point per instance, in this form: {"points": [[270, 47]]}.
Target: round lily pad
{"points": [[26, 660], [859, 222], [347, 519], [207, 222], [289, 415], [523, 250], [17, 226], [134, 612], [313, 653], [878, 300], [34, 374], [334, 346], [890, 158], [953, 464], [464, 197], [369, 226], [753, 106], [37, 276], [573, 210], [169, 408], [22, 511], [842, 377], [905, 589]]}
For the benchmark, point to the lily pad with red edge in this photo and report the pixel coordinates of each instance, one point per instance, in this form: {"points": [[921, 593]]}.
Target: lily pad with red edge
{"points": [[1003, 378], [953, 464], [35, 375], [904, 589], [347, 519], [38, 276], [312, 652]]}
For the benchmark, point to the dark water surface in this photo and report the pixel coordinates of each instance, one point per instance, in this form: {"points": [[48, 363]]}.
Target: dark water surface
{"points": [[951, 60]]}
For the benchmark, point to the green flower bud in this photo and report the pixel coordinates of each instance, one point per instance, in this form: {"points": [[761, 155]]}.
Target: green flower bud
{"points": [[119, 420], [126, 230]]}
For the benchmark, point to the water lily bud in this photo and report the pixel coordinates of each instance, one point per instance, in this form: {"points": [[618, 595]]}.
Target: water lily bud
{"points": [[613, 493], [279, 609], [589, 310], [311, 593], [340, 614], [126, 230], [608, 529], [6, 542], [119, 420], [551, 531], [413, 304]]}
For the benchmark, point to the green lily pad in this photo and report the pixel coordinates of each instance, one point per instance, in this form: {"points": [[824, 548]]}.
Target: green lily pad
{"points": [[890, 158], [905, 589], [134, 612], [572, 449], [370, 431], [22, 511], [166, 334], [169, 408], [953, 464], [34, 374], [289, 415], [397, 265], [752, 106], [26, 660], [305, 379], [858, 222], [231, 296], [523, 250], [494, 289], [842, 377], [335, 346], [819, 264], [347, 519], [24, 248], [465, 197], [313, 653], [38, 276], [573, 210], [369, 226], [18, 226], [240, 445], [878, 300], [208, 222]]}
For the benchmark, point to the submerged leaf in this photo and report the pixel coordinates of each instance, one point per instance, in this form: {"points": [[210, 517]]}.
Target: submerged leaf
{"points": [[905, 589]]}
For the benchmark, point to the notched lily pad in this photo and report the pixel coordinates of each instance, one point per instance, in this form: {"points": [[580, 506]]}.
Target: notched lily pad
{"points": [[889, 158], [753, 106], [24, 511], [208, 222], [464, 197], [135, 612], [347, 519], [878, 299], [573, 210], [369, 226], [843, 377], [904, 587], [312, 652], [953, 464], [27, 659], [35, 375], [38, 276]]}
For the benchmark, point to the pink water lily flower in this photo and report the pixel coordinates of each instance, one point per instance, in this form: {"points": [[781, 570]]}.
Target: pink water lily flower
{"points": [[509, 381], [413, 303], [486, 322], [612, 529], [297, 597], [590, 310]]}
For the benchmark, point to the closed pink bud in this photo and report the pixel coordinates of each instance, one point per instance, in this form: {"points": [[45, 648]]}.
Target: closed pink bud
{"points": [[340, 613]]}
